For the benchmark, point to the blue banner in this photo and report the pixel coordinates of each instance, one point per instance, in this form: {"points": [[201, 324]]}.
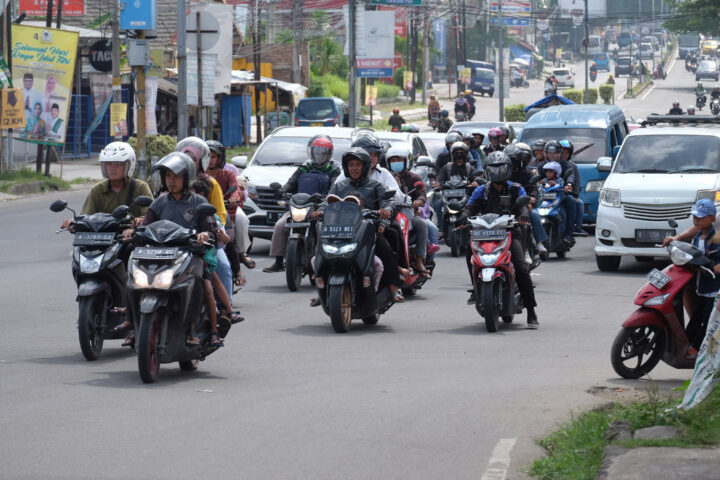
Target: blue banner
{"points": [[374, 72], [96, 121], [440, 33]]}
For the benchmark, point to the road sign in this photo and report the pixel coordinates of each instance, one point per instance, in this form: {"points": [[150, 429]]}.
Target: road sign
{"points": [[12, 114], [209, 30], [512, 22]]}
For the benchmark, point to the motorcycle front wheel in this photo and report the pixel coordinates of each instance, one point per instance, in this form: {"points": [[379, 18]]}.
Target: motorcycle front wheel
{"points": [[294, 264], [340, 308], [453, 242], [90, 331], [489, 298], [637, 350], [148, 339]]}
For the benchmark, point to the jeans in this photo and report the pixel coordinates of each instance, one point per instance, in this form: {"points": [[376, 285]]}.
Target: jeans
{"points": [[225, 272], [433, 235], [579, 213], [421, 235], [537, 228], [570, 207]]}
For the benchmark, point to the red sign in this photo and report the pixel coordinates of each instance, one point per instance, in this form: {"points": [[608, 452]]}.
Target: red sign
{"points": [[397, 60], [374, 63], [70, 8]]}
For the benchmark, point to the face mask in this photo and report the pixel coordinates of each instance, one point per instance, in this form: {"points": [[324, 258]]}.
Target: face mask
{"points": [[397, 167]]}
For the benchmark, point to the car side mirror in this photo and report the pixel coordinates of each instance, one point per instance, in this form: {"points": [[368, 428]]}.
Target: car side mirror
{"points": [[120, 212], [604, 164], [240, 161], [143, 201], [58, 206]]}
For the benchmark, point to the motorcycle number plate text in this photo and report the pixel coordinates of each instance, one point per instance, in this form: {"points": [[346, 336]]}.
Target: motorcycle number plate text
{"points": [[88, 239], [147, 253], [454, 192], [495, 234], [273, 217], [657, 279], [337, 231]]}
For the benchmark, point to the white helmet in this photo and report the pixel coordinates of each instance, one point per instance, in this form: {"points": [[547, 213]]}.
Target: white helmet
{"points": [[197, 149], [118, 152]]}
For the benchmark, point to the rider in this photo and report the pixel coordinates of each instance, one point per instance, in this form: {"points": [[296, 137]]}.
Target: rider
{"points": [[676, 110], [316, 175], [461, 105], [538, 150], [494, 136], [715, 94], [505, 136], [478, 138], [444, 157], [356, 168], [553, 153], [699, 90], [520, 156], [445, 123], [433, 107], [396, 121], [573, 189], [475, 157], [488, 198], [691, 110], [471, 103], [550, 84], [458, 168]]}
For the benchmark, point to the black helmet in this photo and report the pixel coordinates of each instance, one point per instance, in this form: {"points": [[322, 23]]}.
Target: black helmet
{"points": [[356, 153], [218, 148], [553, 146], [516, 155], [459, 151], [498, 167], [180, 164], [506, 132], [468, 137], [369, 143], [526, 155], [567, 145], [538, 144], [452, 137]]}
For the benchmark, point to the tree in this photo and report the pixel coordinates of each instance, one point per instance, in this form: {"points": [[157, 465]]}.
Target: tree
{"points": [[702, 16]]}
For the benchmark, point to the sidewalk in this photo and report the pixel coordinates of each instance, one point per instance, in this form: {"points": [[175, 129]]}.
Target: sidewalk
{"points": [[68, 170]]}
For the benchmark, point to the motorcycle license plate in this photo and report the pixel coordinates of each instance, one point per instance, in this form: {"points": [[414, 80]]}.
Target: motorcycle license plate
{"points": [[657, 279], [484, 235], [273, 217], [151, 253], [647, 235], [454, 192], [337, 231], [549, 196], [89, 239]]}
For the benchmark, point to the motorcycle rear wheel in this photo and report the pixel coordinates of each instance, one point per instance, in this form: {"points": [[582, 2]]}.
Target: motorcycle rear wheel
{"points": [[294, 264], [90, 332], [488, 298], [646, 344], [340, 308], [148, 338]]}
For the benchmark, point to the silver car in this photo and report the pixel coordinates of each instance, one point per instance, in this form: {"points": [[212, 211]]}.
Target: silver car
{"points": [[707, 69]]}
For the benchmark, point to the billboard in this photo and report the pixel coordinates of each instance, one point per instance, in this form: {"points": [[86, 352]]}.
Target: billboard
{"points": [[70, 8]]}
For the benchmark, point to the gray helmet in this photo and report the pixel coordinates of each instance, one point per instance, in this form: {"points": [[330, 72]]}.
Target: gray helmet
{"points": [[403, 153], [452, 137], [498, 167], [459, 149], [538, 144], [356, 153], [198, 148], [219, 148], [180, 164]]}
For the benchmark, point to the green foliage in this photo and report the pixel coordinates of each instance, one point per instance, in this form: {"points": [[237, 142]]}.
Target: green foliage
{"points": [[387, 91], [539, 65], [155, 145], [26, 175], [606, 92], [592, 95], [328, 86], [694, 16], [515, 113], [284, 36], [573, 95]]}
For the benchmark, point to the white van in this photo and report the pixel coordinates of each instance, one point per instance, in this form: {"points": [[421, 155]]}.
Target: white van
{"points": [[595, 44], [658, 174]]}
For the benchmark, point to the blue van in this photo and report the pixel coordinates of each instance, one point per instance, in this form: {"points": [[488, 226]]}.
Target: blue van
{"points": [[594, 130], [482, 77], [321, 112]]}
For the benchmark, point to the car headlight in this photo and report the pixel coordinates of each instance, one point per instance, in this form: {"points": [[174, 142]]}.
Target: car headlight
{"points": [[713, 195], [678, 257], [298, 214], [140, 278], [609, 197], [594, 186], [252, 191], [90, 264], [657, 300]]}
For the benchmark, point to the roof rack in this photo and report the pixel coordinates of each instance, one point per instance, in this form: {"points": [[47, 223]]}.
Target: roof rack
{"points": [[655, 118]]}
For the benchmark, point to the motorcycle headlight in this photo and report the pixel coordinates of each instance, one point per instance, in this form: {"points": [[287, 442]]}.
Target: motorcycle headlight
{"points": [[678, 257], [658, 300], [163, 279], [348, 248], [327, 248], [333, 250], [610, 197], [298, 214], [594, 186], [489, 259], [140, 278], [90, 264], [543, 211]]}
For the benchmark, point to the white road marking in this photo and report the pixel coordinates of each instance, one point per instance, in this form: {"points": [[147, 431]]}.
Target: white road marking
{"points": [[500, 460]]}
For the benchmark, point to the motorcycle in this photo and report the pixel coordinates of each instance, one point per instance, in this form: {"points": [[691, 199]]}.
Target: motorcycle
{"points": [[98, 268], [520, 82], [344, 265], [700, 100], [496, 293], [460, 116], [434, 119], [303, 238], [455, 196], [549, 211], [593, 75], [161, 292], [715, 106], [656, 330], [550, 90], [659, 74]]}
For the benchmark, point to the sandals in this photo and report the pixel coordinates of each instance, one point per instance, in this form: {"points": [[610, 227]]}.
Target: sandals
{"points": [[397, 297], [234, 317], [247, 261], [129, 340], [240, 280], [191, 339], [315, 302], [216, 341]]}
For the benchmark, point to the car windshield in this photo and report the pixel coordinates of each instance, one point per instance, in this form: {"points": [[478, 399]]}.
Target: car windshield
{"points": [[669, 154], [316, 109], [292, 150], [435, 146], [708, 65], [589, 142], [484, 74], [623, 61], [688, 40]]}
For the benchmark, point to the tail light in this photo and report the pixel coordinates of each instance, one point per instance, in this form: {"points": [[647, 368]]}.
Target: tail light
{"points": [[297, 122], [336, 120]]}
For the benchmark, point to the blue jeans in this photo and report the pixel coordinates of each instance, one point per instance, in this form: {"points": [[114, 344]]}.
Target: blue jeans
{"points": [[569, 204], [433, 235], [579, 213], [225, 272], [537, 228]]}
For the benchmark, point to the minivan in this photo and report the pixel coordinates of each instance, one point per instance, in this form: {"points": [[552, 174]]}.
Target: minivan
{"points": [[594, 130], [595, 44], [321, 112]]}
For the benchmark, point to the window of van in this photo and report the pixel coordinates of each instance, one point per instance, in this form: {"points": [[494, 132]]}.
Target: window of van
{"points": [[484, 74], [669, 154], [580, 138], [316, 109]]}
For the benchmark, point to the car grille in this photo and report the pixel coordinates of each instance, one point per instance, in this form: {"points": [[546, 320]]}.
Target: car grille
{"points": [[632, 243], [267, 200], [639, 211]]}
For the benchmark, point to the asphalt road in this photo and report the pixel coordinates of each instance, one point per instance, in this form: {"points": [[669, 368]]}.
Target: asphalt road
{"points": [[425, 394]]}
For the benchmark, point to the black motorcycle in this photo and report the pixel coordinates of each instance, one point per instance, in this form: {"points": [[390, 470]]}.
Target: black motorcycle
{"points": [[98, 268], [455, 195], [303, 238], [162, 293], [715, 106], [345, 263], [700, 100]]}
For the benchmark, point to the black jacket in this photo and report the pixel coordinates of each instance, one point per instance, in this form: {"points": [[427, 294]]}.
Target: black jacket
{"points": [[442, 159], [523, 178], [370, 189], [486, 199]]}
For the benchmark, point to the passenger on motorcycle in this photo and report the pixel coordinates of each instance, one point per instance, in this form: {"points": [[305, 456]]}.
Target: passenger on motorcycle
{"points": [[538, 151], [573, 188], [398, 159], [471, 103], [493, 198], [237, 224], [356, 169], [553, 153], [676, 110], [505, 136], [396, 121], [444, 157], [495, 137], [445, 122], [520, 156], [475, 157], [478, 138], [316, 175]]}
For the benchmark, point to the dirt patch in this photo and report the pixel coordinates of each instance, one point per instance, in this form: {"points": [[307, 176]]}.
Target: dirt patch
{"points": [[628, 395]]}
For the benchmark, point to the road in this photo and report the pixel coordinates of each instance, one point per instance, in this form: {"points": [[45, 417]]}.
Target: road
{"points": [[425, 394]]}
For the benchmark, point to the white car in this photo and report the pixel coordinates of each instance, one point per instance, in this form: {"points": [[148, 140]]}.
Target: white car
{"points": [[646, 51], [658, 174], [565, 77]]}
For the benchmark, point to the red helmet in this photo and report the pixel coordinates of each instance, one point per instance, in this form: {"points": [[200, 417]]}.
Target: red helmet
{"points": [[396, 110], [321, 150]]}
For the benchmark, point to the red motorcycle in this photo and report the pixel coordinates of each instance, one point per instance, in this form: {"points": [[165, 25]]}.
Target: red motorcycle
{"points": [[415, 280], [656, 330]]}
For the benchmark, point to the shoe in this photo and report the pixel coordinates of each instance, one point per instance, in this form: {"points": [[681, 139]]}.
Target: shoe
{"points": [[224, 324], [541, 249], [471, 300], [528, 258], [275, 267], [579, 232], [532, 320], [433, 248], [397, 297]]}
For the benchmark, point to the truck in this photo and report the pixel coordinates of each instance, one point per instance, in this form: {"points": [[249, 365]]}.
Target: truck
{"points": [[482, 77]]}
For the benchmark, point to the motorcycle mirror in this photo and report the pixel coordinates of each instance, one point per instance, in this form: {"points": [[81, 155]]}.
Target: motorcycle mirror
{"points": [[58, 206], [388, 195], [432, 175], [275, 186], [120, 212], [481, 180], [672, 223], [522, 201], [424, 161], [419, 186], [206, 209], [478, 172], [316, 198], [230, 191], [535, 179], [143, 201]]}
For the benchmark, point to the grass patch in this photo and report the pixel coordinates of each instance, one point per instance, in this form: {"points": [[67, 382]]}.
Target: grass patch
{"points": [[575, 450], [26, 175], [80, 180]]}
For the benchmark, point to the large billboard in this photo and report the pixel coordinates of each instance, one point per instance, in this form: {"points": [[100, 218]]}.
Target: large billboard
{"points": [[70, 8]]}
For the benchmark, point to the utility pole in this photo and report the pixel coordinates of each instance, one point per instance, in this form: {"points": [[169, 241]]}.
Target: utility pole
{"points": [[352, 103], [182, 126], [201, 109], [413, 52], [501, 77], [586, 94], [297, 39], [427, 28], [38, 160], [256, 59], [116, 82], [140, 93]]}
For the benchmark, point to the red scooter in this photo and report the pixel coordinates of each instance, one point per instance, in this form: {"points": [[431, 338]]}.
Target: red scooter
{"points": [[415, 280], [656, 330]]}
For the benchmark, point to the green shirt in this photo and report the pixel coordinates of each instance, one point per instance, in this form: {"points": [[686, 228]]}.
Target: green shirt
{"points": [[103, 199]]}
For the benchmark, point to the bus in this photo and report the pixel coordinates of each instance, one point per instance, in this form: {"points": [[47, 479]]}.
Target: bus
{"points": [[688, 42]]}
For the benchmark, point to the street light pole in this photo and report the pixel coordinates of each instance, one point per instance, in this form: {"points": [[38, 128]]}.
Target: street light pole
{"points": [[586, 94], [352, 102], [501, 77]]}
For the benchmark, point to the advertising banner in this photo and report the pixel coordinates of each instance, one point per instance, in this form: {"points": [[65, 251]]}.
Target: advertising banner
{"points": [[70, 8], [151, 88], [12, 111], [44, 60], [118, 119], [707, 364], [439, 30], [208, 75], [156, 67], [378, 45], [370, 95], [515, 14], [101, 89]]}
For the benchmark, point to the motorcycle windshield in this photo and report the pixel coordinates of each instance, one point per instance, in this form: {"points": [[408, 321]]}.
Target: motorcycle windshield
{"points": [[341, 220], [97, 222], [165, 232]]}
